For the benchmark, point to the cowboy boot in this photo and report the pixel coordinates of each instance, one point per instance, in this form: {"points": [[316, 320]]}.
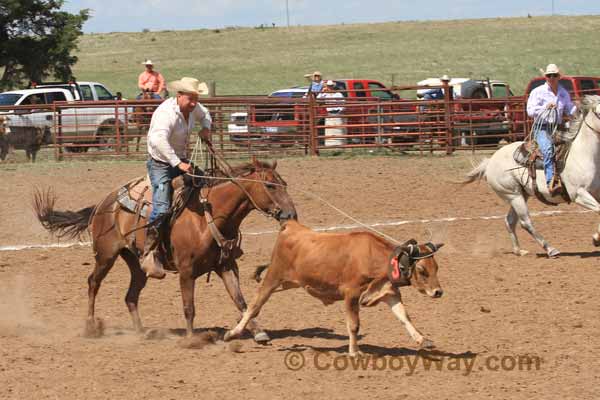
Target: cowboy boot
{"points": [[555, 186], [151, 262]]}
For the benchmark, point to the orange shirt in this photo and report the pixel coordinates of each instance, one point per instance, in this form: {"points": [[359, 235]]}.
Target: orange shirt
{"points": [[151, 80]]}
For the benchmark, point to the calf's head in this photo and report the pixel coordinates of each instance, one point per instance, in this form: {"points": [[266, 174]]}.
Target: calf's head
{"points": [[419, 267]]}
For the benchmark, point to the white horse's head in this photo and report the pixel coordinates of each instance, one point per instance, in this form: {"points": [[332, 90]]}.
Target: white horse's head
{"points": [[591, 105]]}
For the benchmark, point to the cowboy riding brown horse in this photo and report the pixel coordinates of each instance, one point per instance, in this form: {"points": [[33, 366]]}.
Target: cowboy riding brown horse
{"points": [[192, 243]]}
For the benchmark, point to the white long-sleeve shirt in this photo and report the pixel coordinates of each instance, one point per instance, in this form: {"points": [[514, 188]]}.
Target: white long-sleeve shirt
{"points": [[542, 95], [333, 96], [169, 132]]}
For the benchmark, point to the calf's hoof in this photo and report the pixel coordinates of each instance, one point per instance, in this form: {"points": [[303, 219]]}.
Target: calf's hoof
{"points": [[426, 344], [552, 252], [596, 241], [261, 338]]}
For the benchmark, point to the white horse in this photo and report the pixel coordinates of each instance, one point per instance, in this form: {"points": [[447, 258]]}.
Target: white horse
{"points": [[580, 176]]}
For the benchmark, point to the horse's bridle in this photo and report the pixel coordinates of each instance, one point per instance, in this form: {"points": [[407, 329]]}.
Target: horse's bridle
{"points": [[263, 180]]}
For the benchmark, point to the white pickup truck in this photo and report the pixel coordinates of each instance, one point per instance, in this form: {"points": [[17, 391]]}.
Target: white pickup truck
{"points": [[77, 125]]}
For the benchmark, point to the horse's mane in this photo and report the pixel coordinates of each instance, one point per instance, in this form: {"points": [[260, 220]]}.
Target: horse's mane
{"points": [[239, 170], [587, 103]]}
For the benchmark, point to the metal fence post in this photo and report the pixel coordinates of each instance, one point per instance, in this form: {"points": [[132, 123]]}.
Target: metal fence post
{"points": [[447, 114], [312, 120], [117, 131]]}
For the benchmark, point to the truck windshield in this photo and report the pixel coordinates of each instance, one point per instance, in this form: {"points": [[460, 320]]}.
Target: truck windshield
{"points": [[380, 91], [103, 93], [9, 99]]}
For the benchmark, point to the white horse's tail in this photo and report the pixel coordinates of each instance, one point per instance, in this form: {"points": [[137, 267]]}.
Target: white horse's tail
{"points": [[476, 173]]}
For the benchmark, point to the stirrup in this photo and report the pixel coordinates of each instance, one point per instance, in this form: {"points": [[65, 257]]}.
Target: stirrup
{"points": [[555, 187]]}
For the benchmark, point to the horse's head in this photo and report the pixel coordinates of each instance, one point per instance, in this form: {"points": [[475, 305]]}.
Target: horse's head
{"points": [[268, 191], [591, 105]]}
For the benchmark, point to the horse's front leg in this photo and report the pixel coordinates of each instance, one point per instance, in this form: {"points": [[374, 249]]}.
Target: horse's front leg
{"points": [[586, 200], [230, 277], [188, 284]]}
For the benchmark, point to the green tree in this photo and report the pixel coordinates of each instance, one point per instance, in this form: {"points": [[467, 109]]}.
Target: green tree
{"points": [[36, 40]]}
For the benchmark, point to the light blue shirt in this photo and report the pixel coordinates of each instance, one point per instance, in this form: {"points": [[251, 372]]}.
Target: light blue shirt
{"points": [[542, 95], [316, 87]]}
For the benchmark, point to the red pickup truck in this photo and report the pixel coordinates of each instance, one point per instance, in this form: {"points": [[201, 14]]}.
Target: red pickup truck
{"points": [[281, 121], [577, 86]]}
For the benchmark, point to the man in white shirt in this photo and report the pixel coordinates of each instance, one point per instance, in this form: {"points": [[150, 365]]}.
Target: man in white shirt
{"points": [[334, 120], [168, 138]]}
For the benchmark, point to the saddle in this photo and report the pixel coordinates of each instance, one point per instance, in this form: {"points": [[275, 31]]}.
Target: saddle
{"points": [[136, 197], [529, 156]]}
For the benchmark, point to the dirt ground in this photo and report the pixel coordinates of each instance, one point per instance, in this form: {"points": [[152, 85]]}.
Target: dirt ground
{"points": [[497, 309]]}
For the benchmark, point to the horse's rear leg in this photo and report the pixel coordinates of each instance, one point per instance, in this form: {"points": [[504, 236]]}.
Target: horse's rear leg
{"points": [[103, 265], [231, 280], [136, 284], [511, 221], [519, 205]]}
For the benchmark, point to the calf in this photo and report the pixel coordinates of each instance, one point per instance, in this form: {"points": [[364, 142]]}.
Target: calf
{"points": [[29, 138], [358, 267]]}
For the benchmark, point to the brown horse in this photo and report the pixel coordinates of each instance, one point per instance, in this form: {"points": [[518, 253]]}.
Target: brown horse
{"points": [[141, 116], [194, 251]]}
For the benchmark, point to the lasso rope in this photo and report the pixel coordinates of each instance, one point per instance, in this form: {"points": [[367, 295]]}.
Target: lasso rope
{"points": [[198, 150], [310, 194], [548, 117]]}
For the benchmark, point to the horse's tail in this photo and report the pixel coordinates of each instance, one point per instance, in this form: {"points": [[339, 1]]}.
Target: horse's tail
{"points": [[61, 223], [477, 172], [258, 272]]}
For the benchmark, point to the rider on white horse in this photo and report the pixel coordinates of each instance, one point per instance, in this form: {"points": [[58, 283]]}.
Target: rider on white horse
{"points": [[548, 105], [580, 176]]}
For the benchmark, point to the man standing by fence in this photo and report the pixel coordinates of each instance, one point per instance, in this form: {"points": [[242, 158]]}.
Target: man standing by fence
{"points": [[334, 118]]}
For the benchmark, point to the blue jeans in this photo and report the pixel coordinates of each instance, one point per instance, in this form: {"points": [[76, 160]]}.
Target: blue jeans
{"points": [[161, 175], [544, 141], [154, 96]]}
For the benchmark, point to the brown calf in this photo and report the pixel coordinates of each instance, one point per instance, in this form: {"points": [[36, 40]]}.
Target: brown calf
{"points": [[359, 267], [29, 138]]}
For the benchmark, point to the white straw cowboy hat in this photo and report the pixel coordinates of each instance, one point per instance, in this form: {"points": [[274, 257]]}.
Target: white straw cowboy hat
{"points": [[330, 83], [148, 62], [188, 85], [552, 69]]}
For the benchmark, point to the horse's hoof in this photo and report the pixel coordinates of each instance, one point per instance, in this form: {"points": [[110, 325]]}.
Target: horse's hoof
{"points": [[520, 252], [228, 336], [262, 337], [427, 344], [553, 253]]}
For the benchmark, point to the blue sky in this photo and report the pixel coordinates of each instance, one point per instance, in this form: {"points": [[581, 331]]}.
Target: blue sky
{"points": [[135, 15]]}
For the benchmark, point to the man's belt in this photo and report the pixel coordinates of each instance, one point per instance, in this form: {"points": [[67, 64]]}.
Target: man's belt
{"points": [[159, 162]]}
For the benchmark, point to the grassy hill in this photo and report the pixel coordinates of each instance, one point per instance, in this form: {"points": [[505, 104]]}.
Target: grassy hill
{"points": [[258, 61]]}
